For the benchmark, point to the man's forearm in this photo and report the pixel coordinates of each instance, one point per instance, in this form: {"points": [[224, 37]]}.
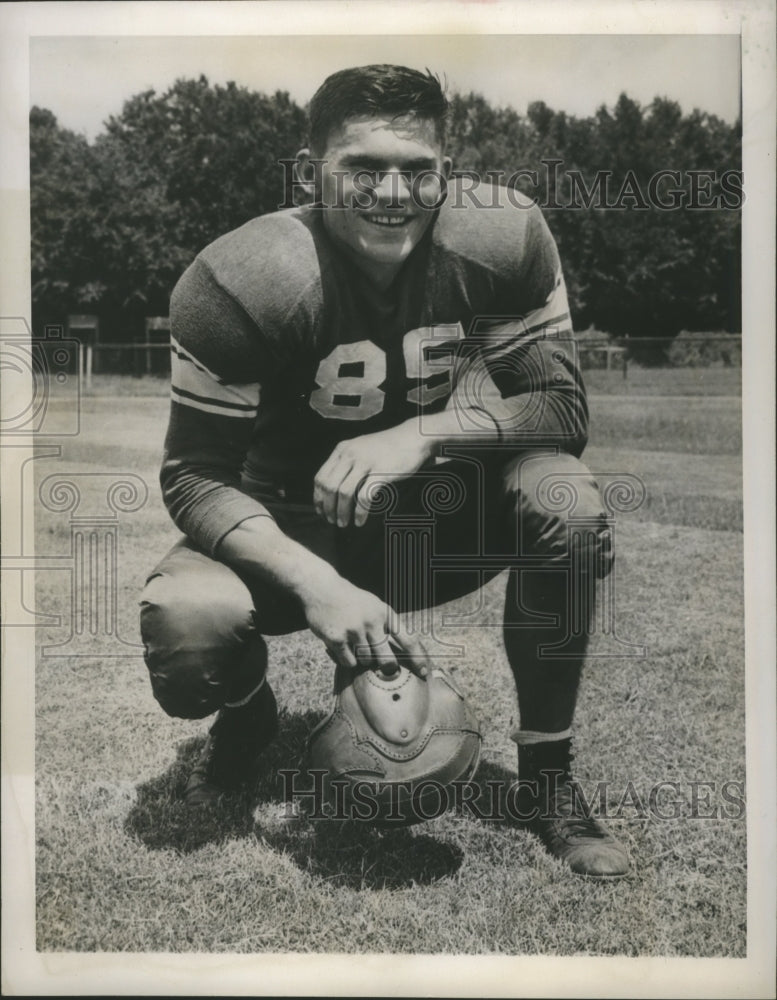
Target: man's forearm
{"points": [[258, 548], [352, 623], [521, 421], [459, 426]]}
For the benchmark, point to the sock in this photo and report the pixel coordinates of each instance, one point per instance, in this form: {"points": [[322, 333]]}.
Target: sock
{"points": [[536, 760], [546, 685], [248, 673], [525, 736]]}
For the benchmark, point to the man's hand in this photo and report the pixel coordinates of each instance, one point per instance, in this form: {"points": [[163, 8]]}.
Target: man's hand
{"points": [[388, 455], [358, 629]]}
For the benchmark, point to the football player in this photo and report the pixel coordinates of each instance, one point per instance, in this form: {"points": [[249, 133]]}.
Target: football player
{"points": [[328, 362]]}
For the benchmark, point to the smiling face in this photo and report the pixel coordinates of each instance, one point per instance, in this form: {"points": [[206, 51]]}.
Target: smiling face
{"points": [[381, 180]]}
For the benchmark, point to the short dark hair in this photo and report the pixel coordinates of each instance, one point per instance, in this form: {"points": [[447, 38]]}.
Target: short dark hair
{"points": [[378, 90]]}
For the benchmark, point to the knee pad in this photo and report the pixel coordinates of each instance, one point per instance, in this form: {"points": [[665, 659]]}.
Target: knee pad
{"points": [[558, 511], [195, 641]]}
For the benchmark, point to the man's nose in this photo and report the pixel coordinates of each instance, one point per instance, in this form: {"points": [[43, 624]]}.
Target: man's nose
{"points": [[392, 189]]}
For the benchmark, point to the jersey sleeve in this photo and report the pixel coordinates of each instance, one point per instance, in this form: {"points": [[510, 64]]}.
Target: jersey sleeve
{"points": [[521, 370], [217, 365]]}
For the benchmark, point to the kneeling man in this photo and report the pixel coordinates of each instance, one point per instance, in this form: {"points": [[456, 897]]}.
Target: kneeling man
{"points": [[331, 363]]}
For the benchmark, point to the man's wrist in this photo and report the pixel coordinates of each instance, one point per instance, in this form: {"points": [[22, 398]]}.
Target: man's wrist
{"points": [[428, 437], [314, 578], [258, 547]]}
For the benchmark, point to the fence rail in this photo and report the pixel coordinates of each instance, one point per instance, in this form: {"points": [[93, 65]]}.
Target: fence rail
{"points": [[139, 359], [143, 358]]}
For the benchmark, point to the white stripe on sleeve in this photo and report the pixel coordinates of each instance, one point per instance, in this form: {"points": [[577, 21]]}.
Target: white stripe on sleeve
{"points": [[195, 386]]}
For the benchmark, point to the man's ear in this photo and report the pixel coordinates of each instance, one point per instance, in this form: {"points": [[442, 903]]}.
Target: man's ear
{"points": [[447, 167], [305, 173]]}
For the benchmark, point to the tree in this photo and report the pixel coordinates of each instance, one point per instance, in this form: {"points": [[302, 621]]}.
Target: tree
{"points": [[167, 176], [632, 267], [62, 218], [651, 271], [181, 169]]}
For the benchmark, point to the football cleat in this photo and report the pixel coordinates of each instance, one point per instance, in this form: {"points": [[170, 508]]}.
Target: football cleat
{"points": [[580, 841], [560, 820], [229, 760], [393, 743]]}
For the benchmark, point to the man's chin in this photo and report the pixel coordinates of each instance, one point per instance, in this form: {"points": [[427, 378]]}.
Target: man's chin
{"points": [[386, 253]]}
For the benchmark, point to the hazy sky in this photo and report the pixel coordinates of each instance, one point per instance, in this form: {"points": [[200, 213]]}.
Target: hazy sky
{"points": [[83, 80]]}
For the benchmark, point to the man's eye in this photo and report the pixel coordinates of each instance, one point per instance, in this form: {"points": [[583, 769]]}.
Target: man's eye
{"points": [[377, 176]]}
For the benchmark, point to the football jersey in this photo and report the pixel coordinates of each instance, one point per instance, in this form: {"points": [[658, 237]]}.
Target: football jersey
{"points": [[282, 347]]}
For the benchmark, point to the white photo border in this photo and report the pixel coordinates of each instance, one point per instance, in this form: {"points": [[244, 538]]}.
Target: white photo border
{"points": [[27, 972]]}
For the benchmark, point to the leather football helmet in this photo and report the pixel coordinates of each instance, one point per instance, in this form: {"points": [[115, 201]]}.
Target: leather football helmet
{"points": [[393, 743]]}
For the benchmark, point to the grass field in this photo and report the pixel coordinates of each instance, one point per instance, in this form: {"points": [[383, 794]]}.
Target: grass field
{"points": [[122, 867]]}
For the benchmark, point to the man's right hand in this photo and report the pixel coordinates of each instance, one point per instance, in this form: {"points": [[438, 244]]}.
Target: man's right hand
{"points": [[358, 629]]}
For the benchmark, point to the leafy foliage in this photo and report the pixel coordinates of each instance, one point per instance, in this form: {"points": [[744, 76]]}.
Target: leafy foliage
{"points": [[62, 170], [115, 222], [167, 176], [643, 256]]}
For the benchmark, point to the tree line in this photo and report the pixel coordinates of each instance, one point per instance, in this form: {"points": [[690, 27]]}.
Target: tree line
{"points": [[642, 200]]}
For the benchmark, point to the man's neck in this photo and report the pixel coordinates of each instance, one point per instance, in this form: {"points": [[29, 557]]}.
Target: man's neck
{"points": [[380, 276]]}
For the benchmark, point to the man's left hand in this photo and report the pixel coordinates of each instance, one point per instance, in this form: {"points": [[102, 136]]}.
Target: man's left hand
{"points": [[387, 455]]}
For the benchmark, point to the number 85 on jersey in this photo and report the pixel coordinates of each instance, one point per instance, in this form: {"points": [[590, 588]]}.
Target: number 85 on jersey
{"points": [[349, 378]]}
